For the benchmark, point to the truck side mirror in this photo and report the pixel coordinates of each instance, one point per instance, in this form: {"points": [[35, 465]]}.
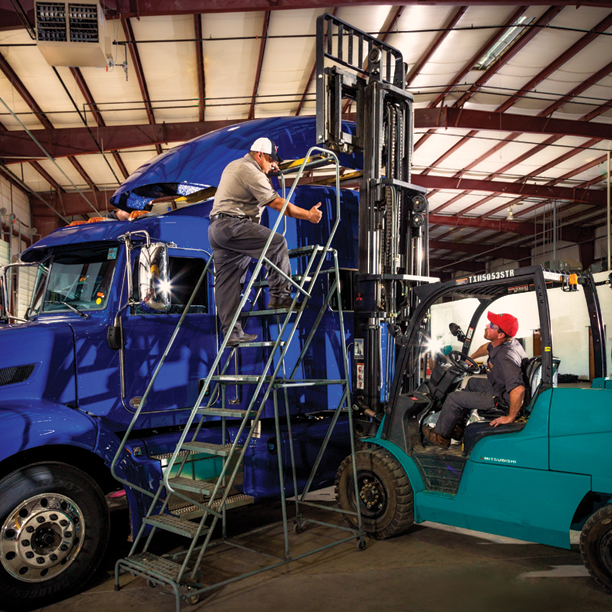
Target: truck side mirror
{"points": [[153, 278]]}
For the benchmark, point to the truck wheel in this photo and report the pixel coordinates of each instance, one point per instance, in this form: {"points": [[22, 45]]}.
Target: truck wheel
{"points": [[596, 547], [54, 527], [385, 495]]}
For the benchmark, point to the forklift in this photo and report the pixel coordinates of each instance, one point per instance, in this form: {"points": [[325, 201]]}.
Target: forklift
{"points": [[535, 479]]}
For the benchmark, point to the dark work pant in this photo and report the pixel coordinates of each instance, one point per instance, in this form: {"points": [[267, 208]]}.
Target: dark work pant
{"points": [[235, 242], [478, 395]]}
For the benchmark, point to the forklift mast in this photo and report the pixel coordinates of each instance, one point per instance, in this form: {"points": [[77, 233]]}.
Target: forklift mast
{"points": [[356, 70]]}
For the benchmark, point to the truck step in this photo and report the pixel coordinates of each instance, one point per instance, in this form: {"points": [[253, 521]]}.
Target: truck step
{"points": [[195, 486], [232, 501], [225, 412], [175, 525], [149, 564], [221, 450]]}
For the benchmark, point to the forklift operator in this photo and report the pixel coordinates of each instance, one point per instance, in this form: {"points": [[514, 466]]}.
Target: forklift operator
{"points": [[502, 392], [236, 236]]}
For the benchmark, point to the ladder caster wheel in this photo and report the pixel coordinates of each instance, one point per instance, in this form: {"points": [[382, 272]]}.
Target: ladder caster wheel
{"points": [[117, 587], [298, 527], [192, 600], [151, 584], [360, 544]]}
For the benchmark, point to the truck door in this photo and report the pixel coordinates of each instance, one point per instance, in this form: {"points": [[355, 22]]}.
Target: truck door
{"points": [[147, 334]]}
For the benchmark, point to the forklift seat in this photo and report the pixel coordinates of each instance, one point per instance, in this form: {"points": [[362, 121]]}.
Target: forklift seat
{"points": [[532, 375]]}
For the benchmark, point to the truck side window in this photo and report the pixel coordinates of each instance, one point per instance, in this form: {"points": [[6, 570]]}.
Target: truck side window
{"points": [[184, 274]]}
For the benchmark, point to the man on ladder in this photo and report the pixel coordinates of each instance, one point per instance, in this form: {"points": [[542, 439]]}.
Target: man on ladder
{"points": [[237, 236]]}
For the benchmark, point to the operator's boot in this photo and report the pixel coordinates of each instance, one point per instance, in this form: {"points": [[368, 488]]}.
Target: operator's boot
{"points": [[435, 438], [458, 432]]}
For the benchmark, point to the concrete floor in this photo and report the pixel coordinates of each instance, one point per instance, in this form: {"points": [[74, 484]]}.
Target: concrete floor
{"points": [[428, 569]]}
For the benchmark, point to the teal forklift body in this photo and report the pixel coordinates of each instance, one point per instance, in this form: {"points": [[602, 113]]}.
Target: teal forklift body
{"points": [[527, 484]]}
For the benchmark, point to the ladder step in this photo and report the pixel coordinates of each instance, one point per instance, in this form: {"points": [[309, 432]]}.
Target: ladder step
{"points": [[261, 313], [224, 412], [232, 501], [295, 277], [258, 344], [195, 486], [239, 378], [221, 450], [152, 565], [175, 525]]}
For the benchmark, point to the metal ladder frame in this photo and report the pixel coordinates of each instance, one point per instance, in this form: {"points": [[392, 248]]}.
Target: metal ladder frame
{"points": [[273, 388]]}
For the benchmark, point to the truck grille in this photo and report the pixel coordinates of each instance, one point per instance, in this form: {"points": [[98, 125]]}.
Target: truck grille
{"points": [[15, 374]]}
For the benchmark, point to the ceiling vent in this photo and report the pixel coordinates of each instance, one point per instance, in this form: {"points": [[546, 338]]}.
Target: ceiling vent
{"points": [[72, 33]]}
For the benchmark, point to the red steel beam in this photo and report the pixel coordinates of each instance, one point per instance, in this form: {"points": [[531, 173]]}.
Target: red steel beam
{"points": [[523, 228], [509, 53], [77, 141], [602, 26], [197, 25], [86, 93], [129, 36], [312, 72], [83, 173], [117, 9], [494, 250], [446, 117], [22, 90], [585, 196], [456, 15], [262, 49], [470, 64]]}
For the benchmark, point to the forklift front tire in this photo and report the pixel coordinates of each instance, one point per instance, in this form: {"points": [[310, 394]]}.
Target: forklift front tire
{"points": [[596, 547], [385, 496]]}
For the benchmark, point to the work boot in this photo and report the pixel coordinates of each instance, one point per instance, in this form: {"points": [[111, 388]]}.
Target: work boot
{"points": [[435, 438], [458, 432], [282, 302], [236, 339]]}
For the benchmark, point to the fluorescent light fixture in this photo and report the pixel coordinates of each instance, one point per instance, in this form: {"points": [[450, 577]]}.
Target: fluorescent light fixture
{"points": [[514, 32]]}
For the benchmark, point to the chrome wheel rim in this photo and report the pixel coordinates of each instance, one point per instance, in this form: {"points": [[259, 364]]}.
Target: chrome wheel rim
{"points": [[41, 537]]}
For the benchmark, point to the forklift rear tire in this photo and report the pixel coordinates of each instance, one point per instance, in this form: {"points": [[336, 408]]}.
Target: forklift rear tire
{"points": [[54, 527], [596, 547], [385, 495]]}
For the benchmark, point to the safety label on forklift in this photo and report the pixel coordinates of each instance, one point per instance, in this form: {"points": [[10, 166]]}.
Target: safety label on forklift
{"points": [[361, 376]]}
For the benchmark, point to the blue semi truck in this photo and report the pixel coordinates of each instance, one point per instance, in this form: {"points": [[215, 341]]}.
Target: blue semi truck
{"points": [[83, 396]]}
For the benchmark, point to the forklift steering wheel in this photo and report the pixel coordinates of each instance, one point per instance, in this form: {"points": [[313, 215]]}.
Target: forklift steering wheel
{"points": [[464, 362]]}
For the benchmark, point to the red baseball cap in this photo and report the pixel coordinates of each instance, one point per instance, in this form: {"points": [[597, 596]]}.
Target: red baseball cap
{"points": [[506, 322]]}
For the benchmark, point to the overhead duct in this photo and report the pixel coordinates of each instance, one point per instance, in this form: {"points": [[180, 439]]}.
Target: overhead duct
{"points": [[72, 33]]}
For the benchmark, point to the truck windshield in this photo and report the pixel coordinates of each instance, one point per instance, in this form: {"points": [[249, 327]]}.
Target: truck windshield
{"points": [[77, 280]]}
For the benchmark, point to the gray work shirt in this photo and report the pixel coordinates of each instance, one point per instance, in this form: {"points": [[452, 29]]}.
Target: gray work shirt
{"points": [[504, 368], [244, 190]]}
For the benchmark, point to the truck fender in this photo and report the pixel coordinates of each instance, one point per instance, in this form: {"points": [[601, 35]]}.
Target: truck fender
{"points": [[36, 423]]}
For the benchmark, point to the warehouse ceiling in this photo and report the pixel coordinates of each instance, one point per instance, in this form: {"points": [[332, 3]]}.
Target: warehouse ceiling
{"points": [[513, 106]]}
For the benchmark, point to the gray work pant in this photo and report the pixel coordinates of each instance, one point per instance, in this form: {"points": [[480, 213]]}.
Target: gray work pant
{"points": [[478, 395], [235, 242]]}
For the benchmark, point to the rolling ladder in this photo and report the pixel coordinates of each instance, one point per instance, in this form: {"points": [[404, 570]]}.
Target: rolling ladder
{"points": [[192, 508]]}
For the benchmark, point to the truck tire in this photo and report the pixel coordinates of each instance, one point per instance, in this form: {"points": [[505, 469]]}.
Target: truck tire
{"points": [[54, 526], [596, 547], [385, 495]]}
